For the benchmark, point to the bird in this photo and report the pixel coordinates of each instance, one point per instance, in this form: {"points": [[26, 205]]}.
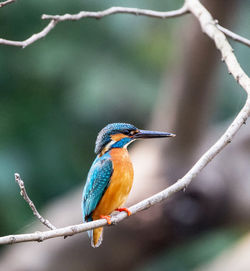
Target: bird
{"points": [[110, 177]]}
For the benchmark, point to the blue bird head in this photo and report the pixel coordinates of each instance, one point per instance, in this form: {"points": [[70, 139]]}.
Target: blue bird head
{"points": [[119, 135]]}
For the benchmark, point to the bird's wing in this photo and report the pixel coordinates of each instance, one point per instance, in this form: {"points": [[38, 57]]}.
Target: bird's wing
{"points": [[97, 182]]}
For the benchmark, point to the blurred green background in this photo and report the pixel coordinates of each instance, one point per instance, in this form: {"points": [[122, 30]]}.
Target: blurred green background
{"points": [[57, 93]]}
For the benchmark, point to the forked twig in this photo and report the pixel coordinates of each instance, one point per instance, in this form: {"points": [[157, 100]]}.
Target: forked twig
{"points": [[233, 35]]}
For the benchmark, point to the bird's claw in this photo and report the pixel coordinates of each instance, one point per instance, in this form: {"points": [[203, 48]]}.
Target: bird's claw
{"points": [[124, 210], [107, 217]]}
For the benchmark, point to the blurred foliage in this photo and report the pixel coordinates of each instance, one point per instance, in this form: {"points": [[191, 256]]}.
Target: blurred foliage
{"points": [[59, 92]]}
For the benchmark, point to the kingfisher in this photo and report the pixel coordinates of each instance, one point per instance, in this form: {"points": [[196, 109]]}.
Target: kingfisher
{"points": [[110, 177]]}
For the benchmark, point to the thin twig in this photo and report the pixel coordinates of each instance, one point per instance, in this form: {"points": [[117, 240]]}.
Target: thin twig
{"points": [[114, 10], [83, 14], [5, 3], [100, 14], [30, 202], [233, 35], [31, 39]]}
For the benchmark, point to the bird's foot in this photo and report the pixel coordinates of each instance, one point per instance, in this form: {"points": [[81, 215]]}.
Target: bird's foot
{"points": [[107, 217], [124, 210]]}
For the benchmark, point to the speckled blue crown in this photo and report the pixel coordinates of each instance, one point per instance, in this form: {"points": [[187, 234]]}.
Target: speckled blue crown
{"points": [[104, 138]]}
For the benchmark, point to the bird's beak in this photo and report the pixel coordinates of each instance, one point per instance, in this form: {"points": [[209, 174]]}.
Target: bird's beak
{"points": [[151, 134]]}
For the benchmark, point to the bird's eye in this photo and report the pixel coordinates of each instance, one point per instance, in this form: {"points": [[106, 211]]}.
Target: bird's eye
{"points": [[129, 132], [126, 132]]}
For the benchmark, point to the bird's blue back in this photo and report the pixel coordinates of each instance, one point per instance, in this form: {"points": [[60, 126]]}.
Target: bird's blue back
{"points": [[97, 182]]}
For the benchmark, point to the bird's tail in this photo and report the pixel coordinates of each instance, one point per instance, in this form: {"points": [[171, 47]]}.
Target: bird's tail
{"points": [[96, 236]]}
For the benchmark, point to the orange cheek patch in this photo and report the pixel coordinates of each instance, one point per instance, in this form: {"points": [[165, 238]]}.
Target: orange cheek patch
{"points": [[118, 137]]}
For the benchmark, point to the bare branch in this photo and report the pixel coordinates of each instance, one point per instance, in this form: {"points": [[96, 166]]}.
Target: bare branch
{"points": [[98, 14], [30, 202], [209, 27], [114, 10], [233, 35], [5, 3], [31, 39]]}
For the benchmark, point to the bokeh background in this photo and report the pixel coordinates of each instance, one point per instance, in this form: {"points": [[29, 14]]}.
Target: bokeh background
{"points": [[59, 92]]}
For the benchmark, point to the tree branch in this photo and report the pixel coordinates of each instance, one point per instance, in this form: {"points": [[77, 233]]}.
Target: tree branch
{"points": [[233, 35], [114, 10], [97, 15], [209, 27], [31, 39], [30, 202], [100, 14], [5, 3]]}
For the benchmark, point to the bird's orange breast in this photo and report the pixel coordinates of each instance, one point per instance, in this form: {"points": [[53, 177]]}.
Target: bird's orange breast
{"points": [[120, 183]]}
